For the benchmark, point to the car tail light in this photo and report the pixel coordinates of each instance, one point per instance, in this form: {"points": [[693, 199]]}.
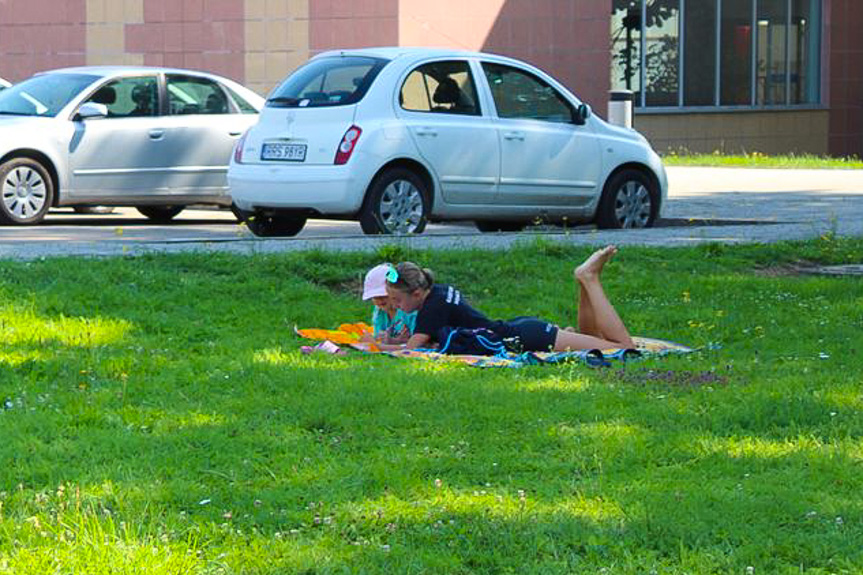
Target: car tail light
{"points": [[238, 149], [347, 145]]}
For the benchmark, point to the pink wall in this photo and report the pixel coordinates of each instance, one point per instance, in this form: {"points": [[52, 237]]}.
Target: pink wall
{"points": [[199, 34], [39, 35], [566, 38], [846, 78], [352, 24]]}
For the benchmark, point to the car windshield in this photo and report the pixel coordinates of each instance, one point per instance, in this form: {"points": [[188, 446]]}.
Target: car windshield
{"points": [[43, 95], [333, 81]]}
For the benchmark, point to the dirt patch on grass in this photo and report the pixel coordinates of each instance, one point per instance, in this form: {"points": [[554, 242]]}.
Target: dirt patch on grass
{"points": [[807, 268]]}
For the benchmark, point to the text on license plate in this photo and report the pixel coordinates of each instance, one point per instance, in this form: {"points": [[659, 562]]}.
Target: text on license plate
{"points": [[286, 152]]}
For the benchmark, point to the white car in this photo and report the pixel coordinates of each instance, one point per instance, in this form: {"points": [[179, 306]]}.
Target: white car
{"points": [[397, 137], [154, 138]]}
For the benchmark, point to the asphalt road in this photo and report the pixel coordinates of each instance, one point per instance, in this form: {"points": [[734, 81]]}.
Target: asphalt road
{"points": [[705, 205]]}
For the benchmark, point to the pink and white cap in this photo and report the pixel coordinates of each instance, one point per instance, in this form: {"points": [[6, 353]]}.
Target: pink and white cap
{"points": [[375, 284]]}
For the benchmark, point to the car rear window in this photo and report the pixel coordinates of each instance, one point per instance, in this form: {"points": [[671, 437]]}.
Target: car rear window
{"points": [[332, 81]]}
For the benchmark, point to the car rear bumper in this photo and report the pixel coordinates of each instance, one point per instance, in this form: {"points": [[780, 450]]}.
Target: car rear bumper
{"points": [[328, 190]]}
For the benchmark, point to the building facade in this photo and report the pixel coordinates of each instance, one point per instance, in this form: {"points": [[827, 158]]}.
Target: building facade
{"points": [[730, 75]]}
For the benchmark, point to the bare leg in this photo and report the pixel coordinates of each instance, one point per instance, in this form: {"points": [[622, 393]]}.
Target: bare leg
{"points": [[606, 327], [586, 319]]}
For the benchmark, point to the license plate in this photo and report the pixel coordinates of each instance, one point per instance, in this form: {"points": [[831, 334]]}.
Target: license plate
{"points": [[284, 152]]}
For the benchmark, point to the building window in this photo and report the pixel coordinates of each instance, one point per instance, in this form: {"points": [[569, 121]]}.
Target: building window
{"points": [[803, 53], [735, 41], [699, 46], [662, 53], [626, 47], [717, 53]]}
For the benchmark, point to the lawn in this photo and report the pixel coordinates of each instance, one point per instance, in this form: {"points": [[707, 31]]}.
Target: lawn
{"points": [[159, 418], [759, 160]]}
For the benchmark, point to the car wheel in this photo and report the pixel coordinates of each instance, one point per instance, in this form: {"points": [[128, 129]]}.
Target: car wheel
{"points": [[26, 192], [92, 209], [629, 200], [396, 203], [160, 214], [272, 226], [488, 226]]}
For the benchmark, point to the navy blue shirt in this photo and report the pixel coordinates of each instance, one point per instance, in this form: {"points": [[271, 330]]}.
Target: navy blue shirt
{"points": [[446, 307]]}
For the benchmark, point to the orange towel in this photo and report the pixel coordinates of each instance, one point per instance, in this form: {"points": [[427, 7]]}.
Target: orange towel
{"points": [[346, 334]]}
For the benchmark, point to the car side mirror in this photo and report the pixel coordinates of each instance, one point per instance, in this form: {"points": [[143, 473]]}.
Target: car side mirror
{"points": [[91, 110], [581, 114]]}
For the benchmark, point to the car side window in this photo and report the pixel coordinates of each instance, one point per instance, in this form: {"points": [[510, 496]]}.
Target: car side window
{"points": [[441, 87], [129, 97], [242, 104], [192, 95], [519, 94]]}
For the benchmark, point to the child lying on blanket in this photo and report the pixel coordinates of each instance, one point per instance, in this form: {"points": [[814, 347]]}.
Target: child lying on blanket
{"points": [[390, 324], [437, 306]]}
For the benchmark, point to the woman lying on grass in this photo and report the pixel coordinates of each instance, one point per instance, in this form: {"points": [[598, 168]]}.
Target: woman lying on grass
{"points": [[440, 306]]}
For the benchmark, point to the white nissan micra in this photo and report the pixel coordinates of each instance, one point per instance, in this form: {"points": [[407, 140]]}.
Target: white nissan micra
{"points": [[398, 137]]}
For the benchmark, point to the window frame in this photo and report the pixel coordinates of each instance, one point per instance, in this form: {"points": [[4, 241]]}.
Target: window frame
{"points": [[816, 98], [108, 80], [561, 94], [231, 105], [480, 109]]}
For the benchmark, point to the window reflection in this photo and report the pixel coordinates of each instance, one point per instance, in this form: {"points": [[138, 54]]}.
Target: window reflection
{"points": [[662, 57], [626, 47], [803, 51], [768, 52], [736, 53], [699, 53], [771, 63]]}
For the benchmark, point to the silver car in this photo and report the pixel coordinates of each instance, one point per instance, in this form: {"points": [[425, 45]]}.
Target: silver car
{"points": [[157, 139]]}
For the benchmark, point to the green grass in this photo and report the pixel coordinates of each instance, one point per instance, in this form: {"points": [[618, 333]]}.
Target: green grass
{"points": [[159, 418], [758, 160]]}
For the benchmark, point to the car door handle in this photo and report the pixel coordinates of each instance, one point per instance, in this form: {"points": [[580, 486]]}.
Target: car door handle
{"points": [[235, 134], [513, 136], [156, 134], [427, 132]]}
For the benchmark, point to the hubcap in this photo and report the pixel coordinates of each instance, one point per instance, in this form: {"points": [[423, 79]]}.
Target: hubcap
{"points": [[401, 207], [24, 193], [632, 206]]}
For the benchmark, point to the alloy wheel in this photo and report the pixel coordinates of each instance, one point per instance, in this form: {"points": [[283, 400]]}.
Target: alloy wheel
{"points": [[401, 207], [24, 192], [632, 205]]}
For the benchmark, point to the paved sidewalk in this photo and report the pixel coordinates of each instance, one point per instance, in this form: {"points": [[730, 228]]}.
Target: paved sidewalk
{"points": [[758, 206]]}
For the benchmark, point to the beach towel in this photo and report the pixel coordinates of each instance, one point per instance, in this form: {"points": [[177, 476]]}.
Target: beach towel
{"points": [[349, 334]]}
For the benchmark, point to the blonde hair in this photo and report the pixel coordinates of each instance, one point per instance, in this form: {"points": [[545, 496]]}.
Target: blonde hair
{"points": [[412, 277]]}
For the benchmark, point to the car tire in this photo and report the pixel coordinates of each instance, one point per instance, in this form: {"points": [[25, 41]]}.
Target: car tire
{"points": [[396, 203], [26, 192], [629, 200], [273, 226], [491, 226], [160, 214]]}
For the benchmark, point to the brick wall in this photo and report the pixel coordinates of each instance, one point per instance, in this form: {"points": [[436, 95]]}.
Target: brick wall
{"points": [[846, 77], [39, 35]]}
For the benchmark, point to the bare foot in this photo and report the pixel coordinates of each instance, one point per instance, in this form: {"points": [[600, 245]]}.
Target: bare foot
{"points": [[592, 266]]}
